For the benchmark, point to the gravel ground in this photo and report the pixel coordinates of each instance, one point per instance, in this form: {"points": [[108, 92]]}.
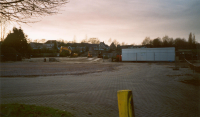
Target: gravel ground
{"points": [[48, 69]]}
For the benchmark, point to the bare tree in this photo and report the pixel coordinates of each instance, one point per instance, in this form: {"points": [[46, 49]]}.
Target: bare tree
{"points": [[61, 40], [24, 11], [94, 40], [74, 40], [165, 41], [4, 28], [157, 42], [65, 41], [146, 41], [124, 43], [42, 40], [84, 41], [115, 42], [28, 40], [110, 40], [133, 44], [36, 40]]}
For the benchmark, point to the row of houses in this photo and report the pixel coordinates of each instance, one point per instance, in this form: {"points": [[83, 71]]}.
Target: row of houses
{"points": [[81, 47], [50, 44]]}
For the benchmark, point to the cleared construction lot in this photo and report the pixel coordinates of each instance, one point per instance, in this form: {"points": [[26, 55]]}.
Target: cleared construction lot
{"points": [[88, 87], [63, 66]]}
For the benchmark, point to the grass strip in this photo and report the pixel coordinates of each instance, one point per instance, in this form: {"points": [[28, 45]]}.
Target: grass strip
{"points": [[22, 110]]}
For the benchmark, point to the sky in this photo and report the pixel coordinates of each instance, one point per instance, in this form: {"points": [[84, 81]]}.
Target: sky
{"points": [[128, 21]]}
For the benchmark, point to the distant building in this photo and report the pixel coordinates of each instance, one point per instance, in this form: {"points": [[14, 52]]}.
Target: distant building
{"points": [[35, 45], [82, 47], [50, 44], [78, 47], [93, 47], [103, 46], [149, 54]]}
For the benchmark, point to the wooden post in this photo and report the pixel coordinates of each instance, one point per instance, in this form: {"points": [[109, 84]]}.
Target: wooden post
{"points": [[176, 66], [125, 103]]}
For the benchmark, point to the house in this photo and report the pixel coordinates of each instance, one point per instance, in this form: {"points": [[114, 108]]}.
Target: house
{"points": [[103, 46], [35, 45], [50, 44], [93, 47], [80, 47]]}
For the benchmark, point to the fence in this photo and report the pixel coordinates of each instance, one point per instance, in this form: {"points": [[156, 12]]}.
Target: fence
{"points": [[195, 68]]}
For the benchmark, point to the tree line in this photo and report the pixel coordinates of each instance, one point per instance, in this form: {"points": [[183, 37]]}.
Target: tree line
{"points": [[166, 41]]}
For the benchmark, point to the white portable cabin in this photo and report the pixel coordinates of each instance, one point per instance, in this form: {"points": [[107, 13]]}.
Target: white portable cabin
{"points": [[148, 54]]}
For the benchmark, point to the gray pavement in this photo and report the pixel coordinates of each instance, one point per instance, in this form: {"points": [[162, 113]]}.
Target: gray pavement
{"points": [[157, 91]]}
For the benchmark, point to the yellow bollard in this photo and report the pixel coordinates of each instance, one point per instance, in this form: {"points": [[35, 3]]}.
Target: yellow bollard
{"points": [[125, 103]]}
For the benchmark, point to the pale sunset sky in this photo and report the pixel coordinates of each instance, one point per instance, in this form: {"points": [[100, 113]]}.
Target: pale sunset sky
{"points": [[127, 21]]}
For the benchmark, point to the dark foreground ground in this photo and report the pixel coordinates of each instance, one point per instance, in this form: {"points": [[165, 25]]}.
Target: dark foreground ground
{"points": [[158, 90]]}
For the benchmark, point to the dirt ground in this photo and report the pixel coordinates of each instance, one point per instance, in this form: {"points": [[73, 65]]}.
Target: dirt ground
{"points": [[63, 66]]}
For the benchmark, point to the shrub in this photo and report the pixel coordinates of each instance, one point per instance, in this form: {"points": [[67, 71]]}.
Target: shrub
{"points": [[10, 54], [106, 57], [64, 53]]}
